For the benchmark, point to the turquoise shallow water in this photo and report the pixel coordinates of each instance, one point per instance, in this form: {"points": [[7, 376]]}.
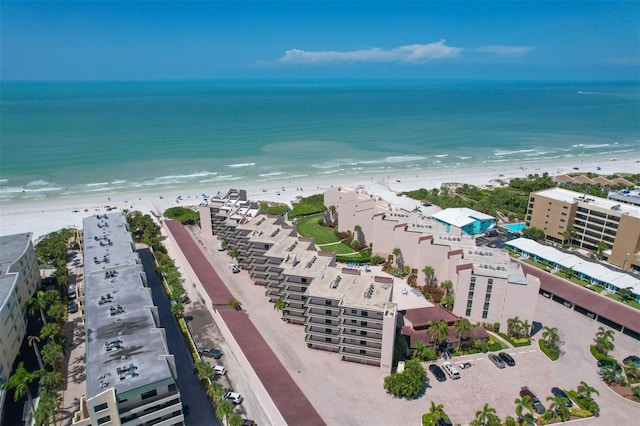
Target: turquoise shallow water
{"points": [[61, 138]]}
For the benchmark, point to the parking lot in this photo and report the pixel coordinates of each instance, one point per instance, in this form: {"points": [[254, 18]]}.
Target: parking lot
{"points": [[352, 394]]}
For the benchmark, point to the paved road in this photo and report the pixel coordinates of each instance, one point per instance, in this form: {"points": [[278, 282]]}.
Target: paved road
{"points": [[191, 389]]}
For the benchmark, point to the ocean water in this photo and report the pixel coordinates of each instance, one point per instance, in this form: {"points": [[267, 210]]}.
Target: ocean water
{"points": [[68, 139]]}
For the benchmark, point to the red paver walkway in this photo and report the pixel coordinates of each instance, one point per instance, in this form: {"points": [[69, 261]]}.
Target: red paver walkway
{"points": [[293, 405], [207, 275], [285, 393]]}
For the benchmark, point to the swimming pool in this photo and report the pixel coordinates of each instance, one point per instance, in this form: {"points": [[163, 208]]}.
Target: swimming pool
{"points": [[515, 227]]}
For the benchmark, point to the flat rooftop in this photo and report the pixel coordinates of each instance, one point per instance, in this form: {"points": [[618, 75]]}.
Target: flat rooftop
{"points": [[308, 263], [567, 196], [125, 349], [12, 247], [352, 288]]}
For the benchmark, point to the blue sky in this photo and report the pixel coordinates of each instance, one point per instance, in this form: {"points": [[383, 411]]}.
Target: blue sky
{"points": [[145, 40]]}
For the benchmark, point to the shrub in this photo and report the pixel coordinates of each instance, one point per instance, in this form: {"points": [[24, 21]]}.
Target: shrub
{"points": [[409, 383], [184, 215], [600, 356], [553, 355], [496, 327], [377, 260], [579, 412]]}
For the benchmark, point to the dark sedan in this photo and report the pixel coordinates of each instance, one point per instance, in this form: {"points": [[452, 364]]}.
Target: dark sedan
{"points": [[508, 359], [437, 371], [559, 393], [604, 363]]}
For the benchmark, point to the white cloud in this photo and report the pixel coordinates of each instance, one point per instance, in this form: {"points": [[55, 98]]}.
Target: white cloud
{"points": [[503, 50], [408, 53]]}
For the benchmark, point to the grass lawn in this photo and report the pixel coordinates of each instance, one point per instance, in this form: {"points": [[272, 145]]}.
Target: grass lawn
{"points": [[631, 303], [337, 248], [308, 227]]}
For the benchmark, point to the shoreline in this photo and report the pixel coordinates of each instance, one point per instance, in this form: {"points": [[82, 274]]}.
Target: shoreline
{"points": [[47, 215]]}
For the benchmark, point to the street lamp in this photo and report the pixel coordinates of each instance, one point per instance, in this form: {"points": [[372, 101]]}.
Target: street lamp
{"points": [[624, 262]]}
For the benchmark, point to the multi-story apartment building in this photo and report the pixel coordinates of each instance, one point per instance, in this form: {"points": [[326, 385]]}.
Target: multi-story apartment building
{"points": [[569, 217], [130, 375], [352, 314], [19, 280], [451, 253], [287, 252], [298, 272], [222, 214]]}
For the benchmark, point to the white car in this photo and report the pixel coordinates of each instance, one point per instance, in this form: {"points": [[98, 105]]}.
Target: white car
{"points": [[234, 268], [219, 370], [451, 370], [233, 397]]}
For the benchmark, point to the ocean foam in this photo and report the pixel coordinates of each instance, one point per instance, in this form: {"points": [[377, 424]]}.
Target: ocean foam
{"points": [[404, 158], [233, 166]]}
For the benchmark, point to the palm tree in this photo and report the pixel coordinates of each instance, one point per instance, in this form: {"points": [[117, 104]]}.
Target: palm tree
{"points": [[447, 302], [436, 413], [203, 370], [279, 305], [398, 255], [447, 285], [429, 273], [235, 419], [51, 380], [439, 331], [19, 382], [52, 355], [513, 326], [48, 407], [604, 340], [463, 327], [57, 311], [487, 416], [52, 332], [522, 404], [626, 294], [357, 230], [586, 391], [33, 342], [601, 247], [551, 338], [525, 328], [223, 409], [215, 392], [39, 302], [234, 253], [558, 408], [568, 235]]}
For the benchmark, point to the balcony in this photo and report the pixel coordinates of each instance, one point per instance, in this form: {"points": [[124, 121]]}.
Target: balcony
{"points": [[345, 324], [368, 355], [346, 313], [320, 322], [322, 340], [322, 314], [369, 346], [320, 330]]}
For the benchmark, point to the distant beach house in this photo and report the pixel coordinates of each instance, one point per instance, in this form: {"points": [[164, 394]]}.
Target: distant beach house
{"points": [[469, 221]]}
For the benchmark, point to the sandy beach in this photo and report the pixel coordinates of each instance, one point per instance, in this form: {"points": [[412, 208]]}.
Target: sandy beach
{"points": [[44, 216]]}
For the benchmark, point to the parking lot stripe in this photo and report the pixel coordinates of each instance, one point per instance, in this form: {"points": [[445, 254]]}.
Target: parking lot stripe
{"points": [[532, 350], [523, 352]]}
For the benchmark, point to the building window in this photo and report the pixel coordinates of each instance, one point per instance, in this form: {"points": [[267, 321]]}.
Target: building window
{"points": [[104, 419], [149, 394], [469, 303], [365, 313], [353, 311], [327, 339], [468, 313], [364, 323], [485, 314], [327, 330], [327, 302], [327, 321], [363, 333], [473, 279], [363, 342], [327, 311], [100, 407], [362, 351]]}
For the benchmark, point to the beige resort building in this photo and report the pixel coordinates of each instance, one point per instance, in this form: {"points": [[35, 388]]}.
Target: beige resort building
{"points": [[355, 312]]}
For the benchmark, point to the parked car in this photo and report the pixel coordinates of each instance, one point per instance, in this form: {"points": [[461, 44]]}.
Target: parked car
{"points": [[535, 402], [220, 246], [210, 352], [557, 392], [71, 291], [234, 268], [632, 360], [219, 370], [72, 307], [233, 397], [444, 422], [247, 422], [508, 359], [437, 371], [496, 360], [451, 370], [464, 365]]}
